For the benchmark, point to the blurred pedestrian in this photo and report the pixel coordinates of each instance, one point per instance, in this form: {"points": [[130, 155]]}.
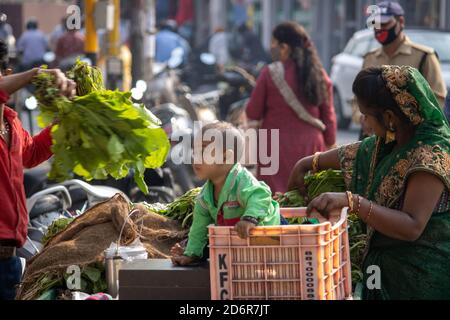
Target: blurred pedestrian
{"points": [[167, 40], [6, 30], [57, 33], [69, 45], [7, 36], [246, 47], [219, 47], [185, 18], [295, 96], [32, 46]]}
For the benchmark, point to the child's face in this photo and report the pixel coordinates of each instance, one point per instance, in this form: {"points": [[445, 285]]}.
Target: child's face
{"points": [[205, 170]]}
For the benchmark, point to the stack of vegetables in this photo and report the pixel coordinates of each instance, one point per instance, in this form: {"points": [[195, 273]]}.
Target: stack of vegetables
{"points": [[323, 182], [100, 133]]}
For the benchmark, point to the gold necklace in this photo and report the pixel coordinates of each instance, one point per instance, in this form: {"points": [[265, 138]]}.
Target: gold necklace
{"points": [[6, 130]]}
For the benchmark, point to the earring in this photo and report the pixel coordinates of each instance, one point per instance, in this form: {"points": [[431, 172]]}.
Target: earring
{"points": [[390, 135]]}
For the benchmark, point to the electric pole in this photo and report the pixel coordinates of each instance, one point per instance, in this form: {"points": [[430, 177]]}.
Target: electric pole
{"points": [[137, 31]]}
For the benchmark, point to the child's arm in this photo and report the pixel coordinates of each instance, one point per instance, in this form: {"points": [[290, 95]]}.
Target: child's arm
{"points": [[257, 199], [198, 236]]}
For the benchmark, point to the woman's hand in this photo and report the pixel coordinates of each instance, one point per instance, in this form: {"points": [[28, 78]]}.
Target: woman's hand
{"points": [[297, 178], [66, 86], [328, 202]]}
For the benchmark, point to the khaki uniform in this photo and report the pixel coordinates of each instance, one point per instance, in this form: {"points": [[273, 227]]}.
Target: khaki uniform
{"points": [[415, 55]]}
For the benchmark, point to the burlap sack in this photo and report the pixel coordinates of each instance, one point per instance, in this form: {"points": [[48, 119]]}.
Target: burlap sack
{"points": [[85, 240]]}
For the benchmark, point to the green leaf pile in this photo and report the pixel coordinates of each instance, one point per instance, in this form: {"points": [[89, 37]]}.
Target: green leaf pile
{"points": [[100, 133], [181, 210]]}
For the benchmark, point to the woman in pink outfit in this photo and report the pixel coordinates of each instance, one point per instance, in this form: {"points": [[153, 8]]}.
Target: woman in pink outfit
{"points": [[295, 96]]}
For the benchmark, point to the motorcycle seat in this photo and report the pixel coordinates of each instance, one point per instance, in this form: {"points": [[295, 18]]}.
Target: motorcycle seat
{"points": [[46, 204]]}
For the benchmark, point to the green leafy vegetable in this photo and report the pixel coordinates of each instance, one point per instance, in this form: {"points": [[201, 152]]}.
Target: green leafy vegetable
{"points": [[101, 133], [93, 278], [88, 79], [55, 228], [323, 182], [291, 199], [333, 181], [182, 209]]}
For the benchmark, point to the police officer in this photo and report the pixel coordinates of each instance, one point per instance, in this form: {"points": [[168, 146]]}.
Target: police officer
{"points": [[398, 49]]}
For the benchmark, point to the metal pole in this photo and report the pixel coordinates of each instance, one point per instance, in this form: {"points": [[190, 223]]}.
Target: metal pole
{"points": [[137, 39], [150, 38], [267, 22], [91, 44], [114, 63], [443, 14], [114, 34]]}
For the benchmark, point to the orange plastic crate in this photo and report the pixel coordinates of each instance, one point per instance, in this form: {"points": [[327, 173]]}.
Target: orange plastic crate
{"points": [[296, 262]]}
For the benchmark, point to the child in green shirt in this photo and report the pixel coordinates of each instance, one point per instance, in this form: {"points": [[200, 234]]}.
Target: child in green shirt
{"points": [[232, 196]]}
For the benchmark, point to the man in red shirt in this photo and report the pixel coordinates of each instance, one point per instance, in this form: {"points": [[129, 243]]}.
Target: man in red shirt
{"points": [[69, 45], [18, 150]]}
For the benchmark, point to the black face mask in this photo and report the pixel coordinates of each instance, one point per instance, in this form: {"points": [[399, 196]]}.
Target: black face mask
{"points": [[386, 37]]}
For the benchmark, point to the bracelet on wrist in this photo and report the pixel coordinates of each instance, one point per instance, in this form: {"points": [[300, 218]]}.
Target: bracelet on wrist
{"points": [[369, 215], [350, 199], [315, 162], [253, 220]]}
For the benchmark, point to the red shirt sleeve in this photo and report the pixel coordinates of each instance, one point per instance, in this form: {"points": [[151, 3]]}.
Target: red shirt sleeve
{"points": [[4, 97], [328, 116], [257, 104], [36, 150]]}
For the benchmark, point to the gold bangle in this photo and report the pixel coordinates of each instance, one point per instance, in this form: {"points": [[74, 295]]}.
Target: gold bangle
{"points": [[350, 201], [370, 212], [359, 205], [315, 162]]}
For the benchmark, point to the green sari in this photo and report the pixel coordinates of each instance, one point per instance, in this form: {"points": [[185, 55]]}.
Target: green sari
{"points": [[409, 270]]}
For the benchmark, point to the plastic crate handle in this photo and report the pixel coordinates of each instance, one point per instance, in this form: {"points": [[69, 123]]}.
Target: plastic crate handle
{"points": [[301, 213]]}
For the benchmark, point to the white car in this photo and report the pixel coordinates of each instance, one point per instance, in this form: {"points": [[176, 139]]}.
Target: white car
{"points": [[347, 64]]}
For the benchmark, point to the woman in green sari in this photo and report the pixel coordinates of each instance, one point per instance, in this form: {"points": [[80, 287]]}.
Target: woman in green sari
{"points": [[399, 183]]}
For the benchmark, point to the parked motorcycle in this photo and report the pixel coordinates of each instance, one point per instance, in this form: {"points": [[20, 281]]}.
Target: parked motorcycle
{"points": [[69, 199]]}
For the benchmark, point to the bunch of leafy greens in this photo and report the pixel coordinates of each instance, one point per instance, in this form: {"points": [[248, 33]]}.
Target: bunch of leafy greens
{"points": [[93, 280], [323, 182], [100, 133], [56, 227], [181, 210], [291, 199], [333, 181]]}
